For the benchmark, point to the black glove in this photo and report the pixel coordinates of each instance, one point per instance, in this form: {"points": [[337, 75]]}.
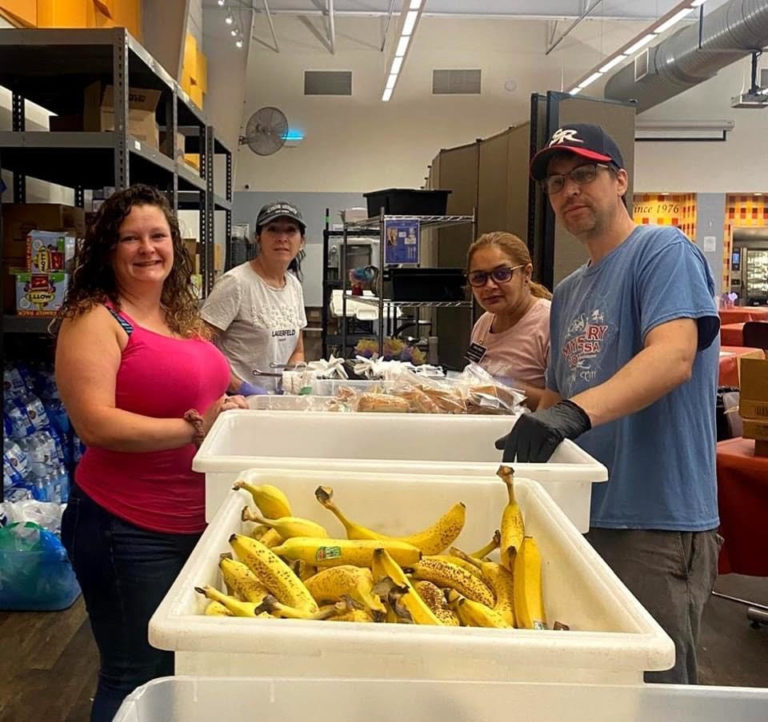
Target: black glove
{"points": [[535, 436]]}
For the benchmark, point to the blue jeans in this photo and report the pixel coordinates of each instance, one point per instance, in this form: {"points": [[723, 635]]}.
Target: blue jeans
{"points": [[672, 574], [124, 572]]}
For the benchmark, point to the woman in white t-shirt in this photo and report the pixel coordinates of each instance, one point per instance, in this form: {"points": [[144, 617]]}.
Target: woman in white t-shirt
{"points": [[256, 310], [511, 339]]}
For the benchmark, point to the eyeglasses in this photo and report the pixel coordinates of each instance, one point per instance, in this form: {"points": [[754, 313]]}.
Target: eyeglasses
{"points": [[478, 279], [581, 176]]}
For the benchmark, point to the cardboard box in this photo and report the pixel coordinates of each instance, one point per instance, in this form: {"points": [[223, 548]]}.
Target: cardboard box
{"points": [[192, 159], [99, 112], [757, 430], [191, 245], [753, 397], [11, 267], [21, 218], [40, 294], [49, 251], [178, 146]]}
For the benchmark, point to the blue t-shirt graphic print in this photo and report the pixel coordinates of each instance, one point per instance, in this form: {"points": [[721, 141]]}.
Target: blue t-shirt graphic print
{"points": [[660, 460]]}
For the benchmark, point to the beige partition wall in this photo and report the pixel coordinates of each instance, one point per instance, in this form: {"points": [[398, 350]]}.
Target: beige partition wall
{"points": [[503, 182], [619, 121], [457, 171]]}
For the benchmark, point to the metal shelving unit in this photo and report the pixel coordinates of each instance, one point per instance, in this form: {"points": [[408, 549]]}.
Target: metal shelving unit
{"points": [[52, 68], [389, 317], [331, 284]]}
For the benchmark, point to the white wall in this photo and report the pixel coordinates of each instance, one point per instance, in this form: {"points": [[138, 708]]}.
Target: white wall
{"points": [[359, 143], [740, 164]]}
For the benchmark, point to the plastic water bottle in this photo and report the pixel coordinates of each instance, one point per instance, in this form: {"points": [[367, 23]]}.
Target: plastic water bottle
{"points": [[62, 481]]}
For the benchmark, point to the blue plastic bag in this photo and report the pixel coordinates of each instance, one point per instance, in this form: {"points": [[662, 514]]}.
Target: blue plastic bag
{"points": [[35, 573]]}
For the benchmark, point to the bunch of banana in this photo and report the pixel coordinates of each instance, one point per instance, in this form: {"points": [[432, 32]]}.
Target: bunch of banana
{"points": [[234, 606], [500, 580], [334, 552], [447, 575], [432, 540], [512, 528], [273, 572], [270, 500], [529, 603], [474, 614], [271, 606], [335, 583], [217, 609], [287, 527], [241, 581], [404, 600], [434, 598], [268, 537]]}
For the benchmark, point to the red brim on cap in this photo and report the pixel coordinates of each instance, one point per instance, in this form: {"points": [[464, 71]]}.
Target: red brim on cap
{"points": [[539, 162]]}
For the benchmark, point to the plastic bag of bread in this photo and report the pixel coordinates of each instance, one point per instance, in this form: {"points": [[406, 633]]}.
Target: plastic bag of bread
{"points": [[383, 403], [486, 395]]}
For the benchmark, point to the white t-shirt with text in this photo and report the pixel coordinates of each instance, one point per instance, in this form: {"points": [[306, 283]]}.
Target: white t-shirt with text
{"points": [[259, 324]]}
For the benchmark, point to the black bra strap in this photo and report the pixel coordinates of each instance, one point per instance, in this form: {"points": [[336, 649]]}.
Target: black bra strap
{"points": [[125, 324]]}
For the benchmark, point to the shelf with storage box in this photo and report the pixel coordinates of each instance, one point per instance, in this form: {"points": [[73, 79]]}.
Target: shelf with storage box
{"points": [[93, 82], [403, 308]]}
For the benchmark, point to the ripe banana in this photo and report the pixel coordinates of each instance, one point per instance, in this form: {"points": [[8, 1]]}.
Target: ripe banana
{"points": [[384, 566], [217, 609], [268, 537], [333, 583], [475, 614], [233, 605], [435, 599], [445, 574], [529, 603], [273, 572], [287, 526], [431, 540], [354, 615], [489, 547], [270, 605], [512, 528], [272, 502], [333, 552], [242, 581], [459, 562], [500, 580]]}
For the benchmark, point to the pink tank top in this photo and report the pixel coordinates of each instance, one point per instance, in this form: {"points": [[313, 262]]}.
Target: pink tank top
{"points": [[161, 377]]}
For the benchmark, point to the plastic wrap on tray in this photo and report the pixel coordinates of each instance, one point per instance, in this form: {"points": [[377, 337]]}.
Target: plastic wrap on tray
{"points": [[486, 395], [430, 396]]}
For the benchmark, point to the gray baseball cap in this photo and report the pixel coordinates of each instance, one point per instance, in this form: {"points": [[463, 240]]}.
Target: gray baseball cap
{"points": [[279, 209]]}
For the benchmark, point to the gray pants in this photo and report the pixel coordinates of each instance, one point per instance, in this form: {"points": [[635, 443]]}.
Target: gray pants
{"points": [[671, 574]]}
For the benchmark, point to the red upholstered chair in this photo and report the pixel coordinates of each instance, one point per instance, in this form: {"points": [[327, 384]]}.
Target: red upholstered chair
{"points": [[756, 334]]}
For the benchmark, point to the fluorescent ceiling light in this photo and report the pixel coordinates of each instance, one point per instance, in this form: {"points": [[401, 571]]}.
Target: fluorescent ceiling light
{"points": [[229, 20], [574, 91], [397, 63], [696, 3], [402, 46], [676, 18], [591, 79], [410, 21], [387, 95], [391, 80], [239, 43], [221, 3], [416, 4], [612, 63], [640, 43]]}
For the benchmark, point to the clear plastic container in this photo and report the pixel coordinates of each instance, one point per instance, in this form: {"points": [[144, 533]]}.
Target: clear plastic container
{"points": [[281, 699], [612, 638]]}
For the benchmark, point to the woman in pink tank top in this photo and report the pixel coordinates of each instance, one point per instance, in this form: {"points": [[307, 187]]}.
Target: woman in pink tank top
{"points": [[142, 386], [511, 339]]}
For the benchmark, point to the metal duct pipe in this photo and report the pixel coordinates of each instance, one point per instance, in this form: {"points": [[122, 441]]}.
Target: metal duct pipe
{"points": [[727, 34]]}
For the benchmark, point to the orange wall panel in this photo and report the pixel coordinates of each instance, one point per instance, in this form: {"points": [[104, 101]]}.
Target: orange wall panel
{"points": [[741, 211], [19, 12], [63, 13]]}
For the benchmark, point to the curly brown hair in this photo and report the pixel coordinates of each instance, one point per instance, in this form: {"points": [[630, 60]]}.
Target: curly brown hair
{"points": [[93, 280]]}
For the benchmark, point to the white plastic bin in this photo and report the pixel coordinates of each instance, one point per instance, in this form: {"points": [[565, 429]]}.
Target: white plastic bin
{"points": [[414, 444], [201, 699], [612, 638]]}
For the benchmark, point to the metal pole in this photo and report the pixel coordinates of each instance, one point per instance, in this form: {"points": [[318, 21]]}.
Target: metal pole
{"points": [[271, 26], [332, 27]]}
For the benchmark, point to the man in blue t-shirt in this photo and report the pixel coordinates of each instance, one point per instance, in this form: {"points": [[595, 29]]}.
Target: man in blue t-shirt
{"points": [[633, 375]]}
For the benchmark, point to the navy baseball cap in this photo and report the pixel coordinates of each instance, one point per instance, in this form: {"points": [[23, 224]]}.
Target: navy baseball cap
{"points": [[279, 209], [584, 139]]}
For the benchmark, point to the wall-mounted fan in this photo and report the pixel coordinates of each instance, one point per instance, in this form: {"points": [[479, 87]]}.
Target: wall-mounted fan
{"points": [[265, 131]]}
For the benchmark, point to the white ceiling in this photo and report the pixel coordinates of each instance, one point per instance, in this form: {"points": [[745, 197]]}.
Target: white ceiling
{"points": [[539, 9]]}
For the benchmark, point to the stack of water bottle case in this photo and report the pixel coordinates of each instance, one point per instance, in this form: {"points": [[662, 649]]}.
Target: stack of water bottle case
{"points": [[39, 450]]}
